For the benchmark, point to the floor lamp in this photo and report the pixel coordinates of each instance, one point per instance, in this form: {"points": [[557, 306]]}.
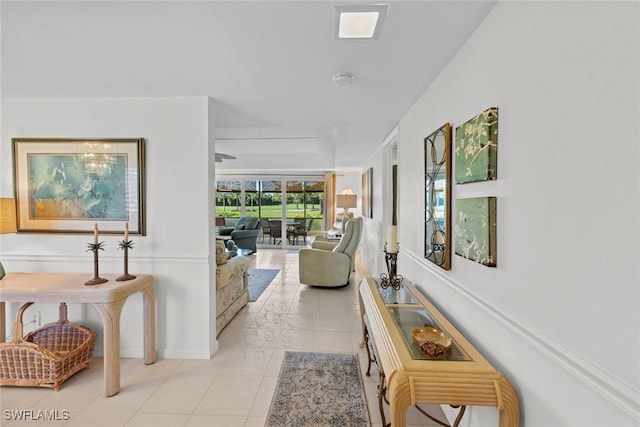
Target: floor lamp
{"points": [[346, 200], [7, 221]]}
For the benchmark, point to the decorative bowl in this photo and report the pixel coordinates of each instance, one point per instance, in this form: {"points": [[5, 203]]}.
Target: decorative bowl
{"points": [[433, 342]]}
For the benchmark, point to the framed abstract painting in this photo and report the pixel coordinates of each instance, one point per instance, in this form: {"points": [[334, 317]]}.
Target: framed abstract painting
{"points": [[67, 185]]}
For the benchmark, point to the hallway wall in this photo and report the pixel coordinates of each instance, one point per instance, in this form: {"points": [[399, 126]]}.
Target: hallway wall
{"points": [[559, 315], [176, 247]]}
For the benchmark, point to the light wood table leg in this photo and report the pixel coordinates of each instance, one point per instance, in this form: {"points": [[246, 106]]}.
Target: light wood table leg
{"points": [[149, 310], [110, 314], [508, 404], [399, 402]]}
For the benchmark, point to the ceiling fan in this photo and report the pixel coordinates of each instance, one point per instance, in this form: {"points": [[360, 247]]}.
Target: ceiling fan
{"points": [[221, 156]]}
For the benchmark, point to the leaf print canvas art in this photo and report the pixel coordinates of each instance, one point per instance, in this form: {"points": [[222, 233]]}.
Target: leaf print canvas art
{"points": [[475, 230], [476, 148]]}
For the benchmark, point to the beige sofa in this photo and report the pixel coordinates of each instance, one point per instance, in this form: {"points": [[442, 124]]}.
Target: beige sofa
{"points": [[232, 281]]}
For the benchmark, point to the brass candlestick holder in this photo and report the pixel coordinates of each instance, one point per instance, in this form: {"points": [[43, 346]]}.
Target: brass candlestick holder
{"points": [[391, 278], [125, 245], [95, 247]]}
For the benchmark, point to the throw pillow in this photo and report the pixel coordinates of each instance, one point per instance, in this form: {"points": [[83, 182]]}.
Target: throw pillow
{"points": [[240, 227], [221, 255], [252, 223]]}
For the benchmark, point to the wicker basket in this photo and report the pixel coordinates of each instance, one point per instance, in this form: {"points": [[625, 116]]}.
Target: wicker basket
{"points": [[47, 356]]}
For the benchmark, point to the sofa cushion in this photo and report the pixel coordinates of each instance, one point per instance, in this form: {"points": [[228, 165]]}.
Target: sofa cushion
{"points": [[226, 231], [351, 237], [232, 273], [251, 224], [221, 254], [231, 289], [240, 227], [241, 221]]}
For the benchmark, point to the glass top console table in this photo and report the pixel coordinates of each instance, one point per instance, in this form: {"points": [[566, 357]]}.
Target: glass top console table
{"points": [[459, 377]]}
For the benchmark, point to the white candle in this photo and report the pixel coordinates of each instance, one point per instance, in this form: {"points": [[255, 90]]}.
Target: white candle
{"points": [[393, 239], [95, 233], [126, 232]]}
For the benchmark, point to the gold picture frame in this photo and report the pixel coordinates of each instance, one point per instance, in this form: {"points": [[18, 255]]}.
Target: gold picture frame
{"points": [[367, 193], [66, 185]]}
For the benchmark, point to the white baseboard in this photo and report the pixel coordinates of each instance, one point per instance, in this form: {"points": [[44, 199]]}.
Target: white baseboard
{"points": [[138, 353]]}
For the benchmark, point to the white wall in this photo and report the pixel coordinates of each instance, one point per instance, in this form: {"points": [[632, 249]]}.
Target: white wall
{"points": [[178, 212], [373, 236], [265, 149], [560, 313]]}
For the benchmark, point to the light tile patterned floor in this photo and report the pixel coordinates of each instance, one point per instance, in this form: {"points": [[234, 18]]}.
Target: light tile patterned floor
{"points": [[236, 386]]}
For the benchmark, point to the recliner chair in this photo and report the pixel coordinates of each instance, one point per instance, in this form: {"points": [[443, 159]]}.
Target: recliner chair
{"points": [[244, 233], [329, 264]]}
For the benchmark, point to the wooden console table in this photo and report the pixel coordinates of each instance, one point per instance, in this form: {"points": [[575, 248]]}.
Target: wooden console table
{"points": [[108, 298], [459, 378]]}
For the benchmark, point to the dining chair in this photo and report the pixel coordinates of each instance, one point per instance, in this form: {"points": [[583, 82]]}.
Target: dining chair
{"points": [[220, 223], [266, 228], [301, 230], [276, 231]]}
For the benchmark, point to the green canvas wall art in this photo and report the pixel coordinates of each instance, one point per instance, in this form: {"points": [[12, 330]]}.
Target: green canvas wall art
{"points": [[475, 229], [476, 148]]}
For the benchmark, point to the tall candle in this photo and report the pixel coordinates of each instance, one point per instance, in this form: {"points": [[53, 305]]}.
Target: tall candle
{"points": [[95, 233], [126, 232], [393, 239]]}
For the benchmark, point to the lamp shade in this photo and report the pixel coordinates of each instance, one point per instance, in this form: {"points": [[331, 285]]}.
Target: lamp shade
{"points": [[7, 216], [346, 200]]}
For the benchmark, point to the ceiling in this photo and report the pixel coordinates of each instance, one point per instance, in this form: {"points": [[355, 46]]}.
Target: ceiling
{"points": [[268, 65]]}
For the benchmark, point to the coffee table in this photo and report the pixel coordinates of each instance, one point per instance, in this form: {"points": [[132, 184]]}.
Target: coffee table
{"points": [[240, 251]]}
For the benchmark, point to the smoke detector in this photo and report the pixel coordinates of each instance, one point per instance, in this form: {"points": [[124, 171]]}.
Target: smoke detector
{"points": [[343, 79]]}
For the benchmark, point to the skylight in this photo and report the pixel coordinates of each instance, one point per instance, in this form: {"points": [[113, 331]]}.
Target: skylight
{"points": [[359, 21]]}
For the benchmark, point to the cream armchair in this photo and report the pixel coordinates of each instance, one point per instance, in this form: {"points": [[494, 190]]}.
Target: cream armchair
{"points": [[329, 264]]}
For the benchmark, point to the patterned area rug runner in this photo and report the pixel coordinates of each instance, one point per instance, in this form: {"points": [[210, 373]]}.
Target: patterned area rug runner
{"points": [[319, 389]]}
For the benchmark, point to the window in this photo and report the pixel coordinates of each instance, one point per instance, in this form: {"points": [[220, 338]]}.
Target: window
{"points": [[263, 197]]}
